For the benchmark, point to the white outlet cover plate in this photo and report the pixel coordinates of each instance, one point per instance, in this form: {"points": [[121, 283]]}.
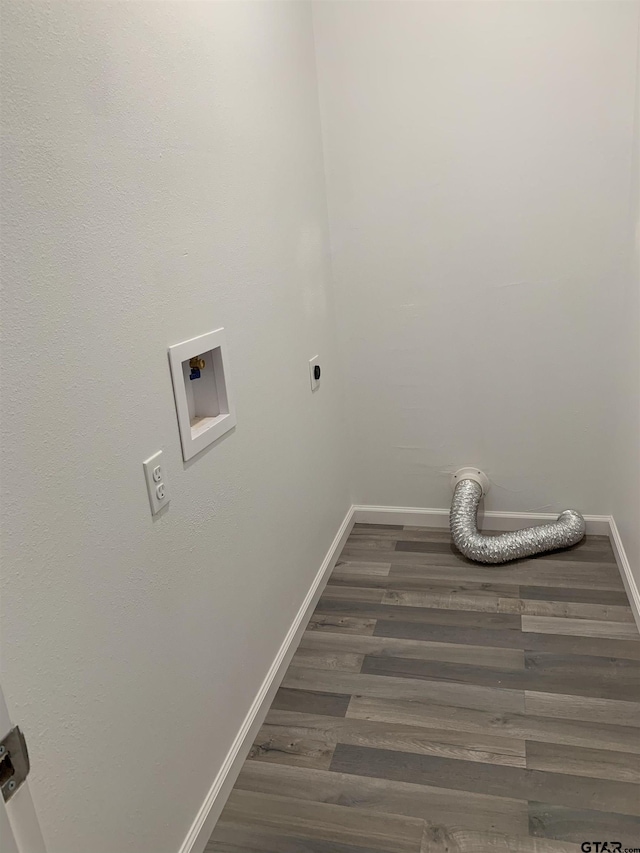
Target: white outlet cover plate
{"points": [[312, 364], [150, 465]]}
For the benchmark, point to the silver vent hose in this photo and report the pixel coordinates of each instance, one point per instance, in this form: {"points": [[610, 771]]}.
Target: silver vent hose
{"points": [[567, 530]]}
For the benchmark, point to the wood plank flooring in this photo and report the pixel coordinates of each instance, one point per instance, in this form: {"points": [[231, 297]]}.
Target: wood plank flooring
{"points": [[439, 706]]}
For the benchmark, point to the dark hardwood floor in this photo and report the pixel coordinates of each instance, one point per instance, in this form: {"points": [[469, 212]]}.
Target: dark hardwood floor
{"points": [[439, 706]]}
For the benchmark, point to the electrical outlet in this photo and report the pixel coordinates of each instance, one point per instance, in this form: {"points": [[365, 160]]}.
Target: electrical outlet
{"points": [[314, 371], [156, 484]]}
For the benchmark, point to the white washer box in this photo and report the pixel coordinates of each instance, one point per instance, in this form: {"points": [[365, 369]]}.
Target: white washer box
{"points": [[205, 407]]}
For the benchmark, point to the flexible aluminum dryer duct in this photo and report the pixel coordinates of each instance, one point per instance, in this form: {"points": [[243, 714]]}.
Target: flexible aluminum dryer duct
{"points": [[566, 531]]}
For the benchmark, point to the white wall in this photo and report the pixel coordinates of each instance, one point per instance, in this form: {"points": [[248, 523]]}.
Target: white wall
{"points": [[478, 162], [625, 437], [163, 177]]}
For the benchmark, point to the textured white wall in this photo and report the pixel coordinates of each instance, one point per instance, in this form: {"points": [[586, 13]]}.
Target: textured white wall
{"points": [[478, 163], [162, 177]]}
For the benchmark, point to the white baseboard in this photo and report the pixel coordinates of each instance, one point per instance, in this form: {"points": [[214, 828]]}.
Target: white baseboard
{"points": [[410, 516], [597, 525], [205, 820], [630, 583]]}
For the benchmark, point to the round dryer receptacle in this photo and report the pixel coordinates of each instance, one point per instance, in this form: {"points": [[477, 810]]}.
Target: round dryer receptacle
{"points": [[471, 473]]}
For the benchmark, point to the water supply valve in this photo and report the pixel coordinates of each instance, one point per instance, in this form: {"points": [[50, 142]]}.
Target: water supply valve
{"points": [[196, 364]]}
